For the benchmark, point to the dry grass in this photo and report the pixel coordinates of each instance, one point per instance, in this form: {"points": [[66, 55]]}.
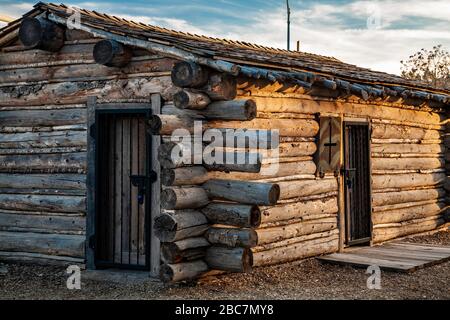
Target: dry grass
{"points": [[308, 279]]}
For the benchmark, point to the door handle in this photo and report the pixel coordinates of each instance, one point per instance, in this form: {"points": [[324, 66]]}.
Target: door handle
{"points": [[349, 174]]}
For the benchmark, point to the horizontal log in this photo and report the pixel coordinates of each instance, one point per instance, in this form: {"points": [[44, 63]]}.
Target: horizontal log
{"points": [[301, 188], [402, 181], [45, 203], [184, 176], [407, 163], [189, 99], [42, 223], [180, 225], [62, 162], [75, 92], [268, 171], [415, 124], [232, 237], [44, 181], [410, 213], [298, 210], [384, 233], [238, 215], [390, 198], [184, 250], [39, 259], [296, 251], [40, 118], [183, 198], [275, 234], [388, 131], [53, 139], [243, 192], [167, 124], [171, 273], [407, 148], [237, 161], [309, 105], [244, 110], [229, 259], [286, 127], [51, 244]]}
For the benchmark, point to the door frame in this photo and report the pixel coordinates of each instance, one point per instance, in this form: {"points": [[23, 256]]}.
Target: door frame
{"points": [[344, 212], [93, 109]]}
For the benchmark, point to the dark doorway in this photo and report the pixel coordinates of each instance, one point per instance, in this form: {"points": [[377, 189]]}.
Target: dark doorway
{"points": [[357, 183], [122, 190]]}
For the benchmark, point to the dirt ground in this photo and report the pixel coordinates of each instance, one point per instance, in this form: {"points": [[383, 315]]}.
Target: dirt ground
{"points": [[308, 279]]}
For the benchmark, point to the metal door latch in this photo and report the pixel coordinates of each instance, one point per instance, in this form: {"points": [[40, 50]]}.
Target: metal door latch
{"points": [[141, 182]]}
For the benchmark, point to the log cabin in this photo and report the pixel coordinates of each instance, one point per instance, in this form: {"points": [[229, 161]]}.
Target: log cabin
{"points": [[90, 172]]}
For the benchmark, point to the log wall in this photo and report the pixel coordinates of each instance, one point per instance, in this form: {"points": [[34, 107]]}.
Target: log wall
{"points": [[43, 138]]}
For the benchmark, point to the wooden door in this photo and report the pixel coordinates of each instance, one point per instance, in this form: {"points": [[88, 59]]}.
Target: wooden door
{"points": [[357, 183], [123, 191]]}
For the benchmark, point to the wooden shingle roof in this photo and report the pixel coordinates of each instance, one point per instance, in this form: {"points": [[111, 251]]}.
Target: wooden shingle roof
{"points": [[248, 59]]}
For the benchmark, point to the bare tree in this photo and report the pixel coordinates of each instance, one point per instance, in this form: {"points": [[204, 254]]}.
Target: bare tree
{"points": [[431, 66]]}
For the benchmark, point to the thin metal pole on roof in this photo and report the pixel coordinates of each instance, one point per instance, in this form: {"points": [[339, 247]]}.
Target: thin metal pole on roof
{"points": [[288, 25]]}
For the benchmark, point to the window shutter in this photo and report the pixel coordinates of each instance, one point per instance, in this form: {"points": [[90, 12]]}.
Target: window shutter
{"points": [[329, 145]]}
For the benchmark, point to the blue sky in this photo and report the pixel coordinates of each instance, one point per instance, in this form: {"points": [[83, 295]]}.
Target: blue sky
{"points": [[376, 34]]}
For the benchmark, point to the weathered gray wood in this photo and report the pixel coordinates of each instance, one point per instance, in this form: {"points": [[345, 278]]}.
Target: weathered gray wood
{"points": [[52, 163], [46, 203], [43, 181], [220, 86], [244, 216], [183, 198], [189, 74], [171, 273], [184, 250], [155, 246], [229, 259], [42, 223], [29, 118], [167, 124], [53, 139], [232, 237], [243, 192], [180, 225], [52, 244], [40, 259], [232, 161]]}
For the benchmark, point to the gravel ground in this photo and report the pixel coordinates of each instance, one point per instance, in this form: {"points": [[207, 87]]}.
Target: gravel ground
{"points": [[308, 279]]}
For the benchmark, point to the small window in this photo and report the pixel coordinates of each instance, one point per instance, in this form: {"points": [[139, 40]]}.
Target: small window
{"points": [[329, 146]]}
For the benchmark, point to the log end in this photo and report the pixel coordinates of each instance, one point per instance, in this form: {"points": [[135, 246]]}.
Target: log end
{"points": [[168, 199], [181, 100], [155, 124], [42, 34], [164, 226], [255, 216], [112, 53], [188, 74], [30, 32], [168, 177], [166, 273], [274, 194], [250, 109]]}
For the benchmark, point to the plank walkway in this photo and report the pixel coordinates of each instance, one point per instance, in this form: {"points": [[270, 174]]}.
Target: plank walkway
{"points": [[394, 256]]}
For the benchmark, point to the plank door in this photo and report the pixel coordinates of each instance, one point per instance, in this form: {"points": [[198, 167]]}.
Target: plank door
{"points": [[123, 191], [357, 183]]}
